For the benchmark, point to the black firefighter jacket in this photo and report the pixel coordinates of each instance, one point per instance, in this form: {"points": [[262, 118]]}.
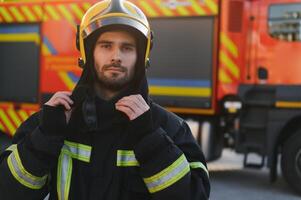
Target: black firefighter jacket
{"points": [[114, 160]]}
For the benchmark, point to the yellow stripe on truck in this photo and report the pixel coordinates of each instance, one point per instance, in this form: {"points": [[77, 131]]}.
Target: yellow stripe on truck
{"points": [[16, 13], [23, 115], [288, 104], [180, 91], [7, 17], [7, 122], [24, 37], [28, 14], [13, 115]]}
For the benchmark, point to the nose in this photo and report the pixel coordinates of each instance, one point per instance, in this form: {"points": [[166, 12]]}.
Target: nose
{"points": [[116, 57]]}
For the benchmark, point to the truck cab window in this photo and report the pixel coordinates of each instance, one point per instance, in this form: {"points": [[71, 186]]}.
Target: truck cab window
{"points": [[284, 22]]}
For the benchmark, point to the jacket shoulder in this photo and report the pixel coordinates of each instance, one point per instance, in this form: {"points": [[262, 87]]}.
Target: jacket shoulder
{"points": [[167, 120], [27, 126]]}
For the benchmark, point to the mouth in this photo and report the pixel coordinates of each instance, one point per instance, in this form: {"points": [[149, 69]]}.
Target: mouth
{"points": [[114, 69]]}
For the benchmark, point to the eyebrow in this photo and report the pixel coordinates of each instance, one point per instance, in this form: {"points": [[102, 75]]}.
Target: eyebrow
{"points": [[110, 42]]}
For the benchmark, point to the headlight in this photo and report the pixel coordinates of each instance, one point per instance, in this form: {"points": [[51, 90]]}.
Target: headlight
{"points": [[232, 106]]}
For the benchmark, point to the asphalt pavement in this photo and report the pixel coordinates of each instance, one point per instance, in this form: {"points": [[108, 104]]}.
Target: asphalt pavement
{"points": [[230, 181]]}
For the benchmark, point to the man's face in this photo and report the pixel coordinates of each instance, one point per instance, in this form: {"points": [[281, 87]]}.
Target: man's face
{"points": [[115, 56]]}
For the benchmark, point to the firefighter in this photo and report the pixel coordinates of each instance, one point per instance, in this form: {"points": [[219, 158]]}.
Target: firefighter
{"points": [[106, 139]]}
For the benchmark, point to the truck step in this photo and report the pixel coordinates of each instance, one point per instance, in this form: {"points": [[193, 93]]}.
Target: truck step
{"points": [[253, 148]]}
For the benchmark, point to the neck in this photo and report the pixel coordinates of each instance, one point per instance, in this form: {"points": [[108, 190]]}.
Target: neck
{"points": [[105, 93]]}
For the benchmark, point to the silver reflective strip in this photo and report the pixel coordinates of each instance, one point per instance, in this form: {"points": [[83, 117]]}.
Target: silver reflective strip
{"points": [[64, 176], [69, 151], [168, 176], [126, 158], [78, 151], [23, 176], [195, 165]]}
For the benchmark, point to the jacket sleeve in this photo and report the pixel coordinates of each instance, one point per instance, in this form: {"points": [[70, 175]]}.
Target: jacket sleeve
{"points": [[17, 179], [173, 167]]}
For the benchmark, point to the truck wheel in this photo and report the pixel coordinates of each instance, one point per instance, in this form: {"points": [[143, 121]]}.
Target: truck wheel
{"points": [[291, 161]]}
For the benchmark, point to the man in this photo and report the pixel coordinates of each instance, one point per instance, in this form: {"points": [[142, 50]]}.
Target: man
{"points": [[107, 139]]}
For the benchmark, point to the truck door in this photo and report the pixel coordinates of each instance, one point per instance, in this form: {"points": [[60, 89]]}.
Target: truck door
{"points": [[19, 75], [181, 73], [277, 41], [19, 71]]}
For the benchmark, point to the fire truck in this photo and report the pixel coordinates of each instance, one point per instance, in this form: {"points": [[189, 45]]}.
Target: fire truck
{"points": [[232, 65]]}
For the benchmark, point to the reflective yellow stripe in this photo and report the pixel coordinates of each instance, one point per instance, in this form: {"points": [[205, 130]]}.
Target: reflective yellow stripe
{"points": [[6, 15], [229, 44], [168, 176], [288, 104], [17, 14], [67, 15], [24, 37], [165, 10], [38, 11], [70, 150], [77, 151], [180, 91], [86, 6], [79, 14], [223, 77], [11, 147], [45, 50], [28, 14], [68, 82], [7, 122], [126, 158], [51, 10], [64, 174], [2, 127], [196, 165], [182, 10], [148, 10], [21, 174], [212, 6], [65, 12], [14, 117], [23, 115], [197, 8], [229, 64]]}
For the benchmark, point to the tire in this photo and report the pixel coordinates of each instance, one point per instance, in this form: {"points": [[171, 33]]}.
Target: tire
{"points": [[291, 161]]}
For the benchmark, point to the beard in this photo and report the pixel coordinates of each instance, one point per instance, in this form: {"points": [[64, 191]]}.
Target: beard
{"points": [[114, 80]]}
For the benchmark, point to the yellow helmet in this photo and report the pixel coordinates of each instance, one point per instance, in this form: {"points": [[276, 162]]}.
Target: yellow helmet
{"points": [[112, 12]]}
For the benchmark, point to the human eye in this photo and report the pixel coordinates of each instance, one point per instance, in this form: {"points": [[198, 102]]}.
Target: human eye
{"points": [[105, 46], [128, 48]]}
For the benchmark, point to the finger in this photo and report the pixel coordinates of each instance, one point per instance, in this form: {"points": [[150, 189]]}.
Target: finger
{"points": [[66, 98], [68, 115], [63, 103], [132, 100], [128, 104], [140, 101], [65, 92], [127, 111]]}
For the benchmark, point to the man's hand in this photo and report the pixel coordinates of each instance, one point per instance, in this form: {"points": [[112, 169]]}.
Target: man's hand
{"points": [[133, 106], [62, 99]]}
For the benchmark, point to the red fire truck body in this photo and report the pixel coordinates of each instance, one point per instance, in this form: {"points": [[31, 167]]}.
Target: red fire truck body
{"points": [[232, 65]]}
